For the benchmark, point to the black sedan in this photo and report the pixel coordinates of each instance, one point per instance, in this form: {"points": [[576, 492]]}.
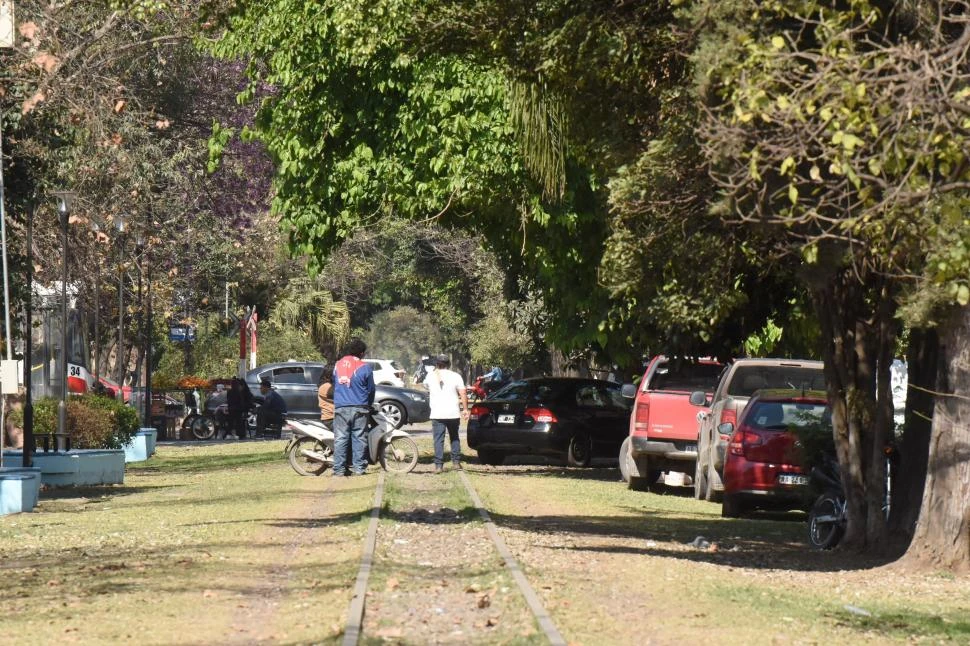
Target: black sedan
{"points": [[296, 382], [575, 419]]}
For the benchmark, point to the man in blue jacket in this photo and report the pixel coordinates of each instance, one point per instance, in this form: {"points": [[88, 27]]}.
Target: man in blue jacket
{"points": [[353, 394]]}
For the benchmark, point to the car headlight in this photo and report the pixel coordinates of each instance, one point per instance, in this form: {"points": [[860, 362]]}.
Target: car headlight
{"points": [[418, 397]]}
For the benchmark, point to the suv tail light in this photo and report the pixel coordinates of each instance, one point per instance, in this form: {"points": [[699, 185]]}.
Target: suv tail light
{"points": [[541, 415], [641, 419], [478, 411], [743, 439]]}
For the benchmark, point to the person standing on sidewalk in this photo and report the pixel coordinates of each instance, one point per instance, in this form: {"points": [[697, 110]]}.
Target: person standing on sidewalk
{"points": [[449, 405], [353, 394]]}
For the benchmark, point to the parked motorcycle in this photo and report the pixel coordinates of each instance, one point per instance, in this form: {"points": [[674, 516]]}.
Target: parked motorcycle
{"points": [[208, 426], [310, 451], [481, 388], [828, 516], [827, 519]]}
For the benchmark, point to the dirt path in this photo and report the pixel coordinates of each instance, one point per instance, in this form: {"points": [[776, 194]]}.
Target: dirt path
{"points": [[253, 619]]}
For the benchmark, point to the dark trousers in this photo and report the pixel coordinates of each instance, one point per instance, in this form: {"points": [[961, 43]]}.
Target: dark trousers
{"points": [[266, 418], [237, 423], [438, 428]]}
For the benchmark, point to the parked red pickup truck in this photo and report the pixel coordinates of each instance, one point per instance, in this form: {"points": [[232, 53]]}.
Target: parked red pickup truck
{"points": [[663, 424]]}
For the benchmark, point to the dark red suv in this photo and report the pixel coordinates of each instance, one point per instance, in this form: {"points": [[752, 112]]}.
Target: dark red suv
{"points": [[763, 466]]}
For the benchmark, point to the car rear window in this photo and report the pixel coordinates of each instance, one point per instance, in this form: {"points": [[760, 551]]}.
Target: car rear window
{"points": [[776, 415], [686, 376], [749, 379], [515, 391]]}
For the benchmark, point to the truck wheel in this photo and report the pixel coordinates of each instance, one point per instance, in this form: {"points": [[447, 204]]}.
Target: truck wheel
{"points": [[638, 484], [625, 460], [731, 506], [712, 494], [700, 481]]}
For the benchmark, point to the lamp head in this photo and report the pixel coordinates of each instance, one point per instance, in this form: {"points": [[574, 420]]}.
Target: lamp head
{"points": [[66, 200]]}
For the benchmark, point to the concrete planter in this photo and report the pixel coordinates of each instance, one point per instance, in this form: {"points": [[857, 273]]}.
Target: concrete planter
{"points": [[19, 489], [141, 446], [151, 438], [76, 467]]}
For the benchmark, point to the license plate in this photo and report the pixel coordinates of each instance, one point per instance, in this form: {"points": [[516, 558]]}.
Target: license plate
{"points": [[506, 419], [789, 479]]}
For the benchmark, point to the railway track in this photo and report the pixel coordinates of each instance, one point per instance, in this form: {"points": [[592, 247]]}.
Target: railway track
{"points": [[353, 628]]}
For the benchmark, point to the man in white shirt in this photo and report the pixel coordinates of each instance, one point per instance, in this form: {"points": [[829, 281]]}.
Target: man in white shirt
{"points": [[449, 405]]}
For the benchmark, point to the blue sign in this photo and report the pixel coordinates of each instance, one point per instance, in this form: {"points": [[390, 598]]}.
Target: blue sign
{"points": [[181, 333]]}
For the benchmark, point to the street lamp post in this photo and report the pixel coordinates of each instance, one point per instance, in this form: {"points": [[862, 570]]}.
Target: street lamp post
{"points": [[145, 266], [28, 346], [64, 209], [97, 311], [119, 222]]}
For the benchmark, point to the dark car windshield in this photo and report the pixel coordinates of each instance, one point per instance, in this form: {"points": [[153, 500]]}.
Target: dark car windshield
{"points": [[515, 391], [749, 379], [686, 376], [789, 415]]}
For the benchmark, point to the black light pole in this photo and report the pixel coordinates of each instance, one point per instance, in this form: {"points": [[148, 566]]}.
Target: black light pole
{"points": [[63, 209], [97, 311], [139, 250], [148, 342], [119, 222], [28, 350]]}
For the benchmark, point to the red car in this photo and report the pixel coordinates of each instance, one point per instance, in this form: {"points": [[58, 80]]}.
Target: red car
{"points": [[763, 466]]}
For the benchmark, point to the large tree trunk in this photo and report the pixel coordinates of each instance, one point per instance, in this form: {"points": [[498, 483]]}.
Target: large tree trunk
{"points": [[922, 359], [942, 538], [857, 350]]}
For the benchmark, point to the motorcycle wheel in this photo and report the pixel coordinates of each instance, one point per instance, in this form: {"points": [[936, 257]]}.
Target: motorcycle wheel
{"points": [[399, 455], [203, 428], [304, 465], [825, 523]]}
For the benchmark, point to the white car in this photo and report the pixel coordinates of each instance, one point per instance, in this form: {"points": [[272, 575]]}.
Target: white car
{"points": [[387, 372]]}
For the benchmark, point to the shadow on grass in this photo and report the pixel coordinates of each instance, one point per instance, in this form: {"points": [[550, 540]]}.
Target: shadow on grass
{"points": [[907, 624], [739, 543], [207, 462], [602, 473], [96, 494]]}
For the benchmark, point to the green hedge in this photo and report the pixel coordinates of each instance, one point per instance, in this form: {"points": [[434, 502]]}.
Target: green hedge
{"points": [[94, 422]]}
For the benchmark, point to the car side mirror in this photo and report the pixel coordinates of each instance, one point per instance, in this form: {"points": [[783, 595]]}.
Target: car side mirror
{"points": [[726, 428], [699, 398], [628, 390]]}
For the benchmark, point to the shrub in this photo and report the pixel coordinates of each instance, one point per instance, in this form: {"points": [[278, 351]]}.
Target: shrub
{"points": [[94, 422], [45, 416], [123, 419], [91, 427]]}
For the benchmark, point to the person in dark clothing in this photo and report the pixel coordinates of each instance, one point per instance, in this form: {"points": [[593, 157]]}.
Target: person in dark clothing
{"points": [[272, 409], [237, 400]]}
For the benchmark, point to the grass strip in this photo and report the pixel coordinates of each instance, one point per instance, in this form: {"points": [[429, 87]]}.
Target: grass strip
{"points": [[198, 539]]}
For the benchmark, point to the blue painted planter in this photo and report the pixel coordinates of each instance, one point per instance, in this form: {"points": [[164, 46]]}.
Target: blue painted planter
{"points": [[150, 438], [76, 467], [19, 489], [141, 446]]}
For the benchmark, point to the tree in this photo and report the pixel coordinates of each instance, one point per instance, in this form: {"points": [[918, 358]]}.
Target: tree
{"points": [[841, 131], [306, 307]]}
